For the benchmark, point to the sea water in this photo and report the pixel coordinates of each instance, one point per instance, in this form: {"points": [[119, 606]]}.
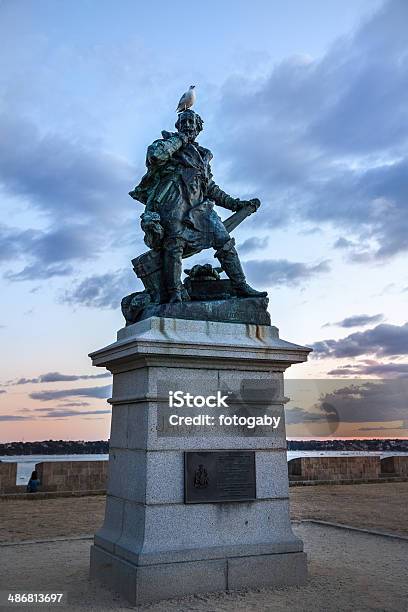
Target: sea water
{"points": [[26, 463]]}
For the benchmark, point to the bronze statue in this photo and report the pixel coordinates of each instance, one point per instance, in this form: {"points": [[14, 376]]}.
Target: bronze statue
{"points": [[179, 220]]}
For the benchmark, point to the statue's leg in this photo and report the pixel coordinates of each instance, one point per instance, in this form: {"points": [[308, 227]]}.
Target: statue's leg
{"points": [[173, 247], [231, 265]]}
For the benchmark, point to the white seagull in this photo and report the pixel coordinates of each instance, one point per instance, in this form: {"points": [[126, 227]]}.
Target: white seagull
{"points": [[187, 100]]}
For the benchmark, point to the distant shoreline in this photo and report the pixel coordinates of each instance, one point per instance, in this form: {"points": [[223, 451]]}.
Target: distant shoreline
{"points": [[26, 463], [101, 447], [55, 447]]}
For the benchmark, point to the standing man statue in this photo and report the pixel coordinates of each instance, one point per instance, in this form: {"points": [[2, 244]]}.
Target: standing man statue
{"points": [[179, 195]]}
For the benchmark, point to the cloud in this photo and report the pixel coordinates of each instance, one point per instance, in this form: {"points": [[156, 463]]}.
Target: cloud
{"points": [[322, 420], [98, 392], [12, 417], [275, 272], [300, 415], [396, 427], [103, 290], [49, 251], [74, 185], [312, 231], [252, 244], [13, 241], [382, 340], [370, 401], [327, 140], [73, 404], [63, 177], [357, 320], [39, 272], [320, 407], [343, 243], [58, 377], [3, 391], [372, 368], [58, 414]]}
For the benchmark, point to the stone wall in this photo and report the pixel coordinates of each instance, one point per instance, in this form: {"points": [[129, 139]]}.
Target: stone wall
{"points": [[8, 477], [388, 466], [72, 476], [295, 468], [334, 468], [394, 466], [91, 476]]}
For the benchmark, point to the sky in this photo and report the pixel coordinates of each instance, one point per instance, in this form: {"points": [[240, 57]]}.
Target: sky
{"points": [[305, 105]]}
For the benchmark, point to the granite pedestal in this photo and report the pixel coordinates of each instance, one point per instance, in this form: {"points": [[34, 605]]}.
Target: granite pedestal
{"points": [[152, 544]]}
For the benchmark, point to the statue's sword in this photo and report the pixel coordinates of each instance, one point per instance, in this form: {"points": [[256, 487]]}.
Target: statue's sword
{"points": [[234, 220]]}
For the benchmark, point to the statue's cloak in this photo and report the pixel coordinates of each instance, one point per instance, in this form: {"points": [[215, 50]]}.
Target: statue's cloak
{"points": [[179, 189]]}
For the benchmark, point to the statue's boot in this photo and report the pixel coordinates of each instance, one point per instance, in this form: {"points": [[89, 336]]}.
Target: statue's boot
{"points": [[172, 266], [231, 265]]}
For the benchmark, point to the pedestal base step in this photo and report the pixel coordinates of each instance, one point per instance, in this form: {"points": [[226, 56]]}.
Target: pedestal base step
{"points": [[148, 583]]}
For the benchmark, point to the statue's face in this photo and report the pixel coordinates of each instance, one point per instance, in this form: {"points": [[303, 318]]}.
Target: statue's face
{"points": [[189, 127]]}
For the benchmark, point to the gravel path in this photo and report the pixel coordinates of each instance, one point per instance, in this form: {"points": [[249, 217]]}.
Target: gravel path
{"points": [[349, 571]]}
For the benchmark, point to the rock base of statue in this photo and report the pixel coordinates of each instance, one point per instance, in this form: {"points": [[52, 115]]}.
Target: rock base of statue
{"points": [[174, 527], [233, 309]]}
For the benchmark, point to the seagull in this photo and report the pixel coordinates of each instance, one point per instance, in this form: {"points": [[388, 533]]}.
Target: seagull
{"points": [[187, 100]]}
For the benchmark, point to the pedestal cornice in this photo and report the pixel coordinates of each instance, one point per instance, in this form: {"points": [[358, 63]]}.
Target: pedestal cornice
{"points": [[184, 341]]}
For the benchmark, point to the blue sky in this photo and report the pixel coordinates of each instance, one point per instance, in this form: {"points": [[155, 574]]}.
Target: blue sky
{"points": [[305, 106]]}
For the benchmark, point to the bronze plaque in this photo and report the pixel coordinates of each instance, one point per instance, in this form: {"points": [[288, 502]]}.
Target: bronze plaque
{"points": [[219, 476]]}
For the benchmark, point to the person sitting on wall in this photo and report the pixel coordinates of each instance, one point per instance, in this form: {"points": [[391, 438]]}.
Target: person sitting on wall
{"points": [[33, 483]]}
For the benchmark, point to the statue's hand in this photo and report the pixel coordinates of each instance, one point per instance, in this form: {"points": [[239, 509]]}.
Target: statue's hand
{"points": [[166, 135], [253, 204], [154, 233]]}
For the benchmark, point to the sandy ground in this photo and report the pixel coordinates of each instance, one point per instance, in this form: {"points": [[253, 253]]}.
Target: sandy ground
{"points": [[381, 507], [349, 571], [37, 519], [372, 506]]}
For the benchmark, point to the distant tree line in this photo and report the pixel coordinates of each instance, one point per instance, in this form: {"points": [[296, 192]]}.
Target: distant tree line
{"points": [[349, 445], [98, 447], [55, 447]]}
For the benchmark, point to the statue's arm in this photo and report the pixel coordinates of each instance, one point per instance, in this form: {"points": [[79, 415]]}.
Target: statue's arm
{"points": [[160, 151], [222, 198]]}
